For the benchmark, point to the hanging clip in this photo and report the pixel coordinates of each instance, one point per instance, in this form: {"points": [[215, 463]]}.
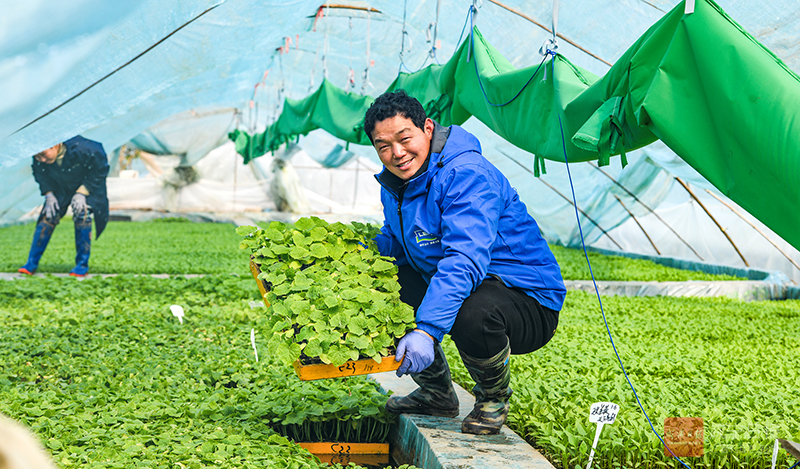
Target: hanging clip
{"points": [[550, 47], [475, 5]]}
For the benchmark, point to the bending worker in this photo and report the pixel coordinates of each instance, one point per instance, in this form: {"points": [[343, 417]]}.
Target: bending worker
{"points": [[471, 261], [70, 173]]}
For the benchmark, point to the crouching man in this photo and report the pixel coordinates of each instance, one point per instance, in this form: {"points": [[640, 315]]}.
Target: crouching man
{"points": [[471, 261]]}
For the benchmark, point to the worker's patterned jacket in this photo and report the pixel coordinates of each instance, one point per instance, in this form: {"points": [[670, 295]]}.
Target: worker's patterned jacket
{"points": [[85, 163]]}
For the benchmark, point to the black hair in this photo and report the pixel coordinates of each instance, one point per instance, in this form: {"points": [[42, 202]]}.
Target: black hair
{"points": [[391, 104]]}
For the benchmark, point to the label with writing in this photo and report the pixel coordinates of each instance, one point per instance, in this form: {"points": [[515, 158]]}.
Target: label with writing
{"points": [[603, 412]]}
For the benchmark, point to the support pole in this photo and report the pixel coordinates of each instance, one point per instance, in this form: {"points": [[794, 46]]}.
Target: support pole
{"points": [[573, 43], [754, 227], [638, 224], [565, 198], [648, 209], [686, 186]]}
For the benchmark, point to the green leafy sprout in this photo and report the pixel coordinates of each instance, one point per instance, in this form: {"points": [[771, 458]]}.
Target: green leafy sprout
{"points": [[332, 296]]}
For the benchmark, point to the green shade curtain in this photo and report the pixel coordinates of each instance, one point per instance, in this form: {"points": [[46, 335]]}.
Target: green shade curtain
{"points": [[700, 83]]}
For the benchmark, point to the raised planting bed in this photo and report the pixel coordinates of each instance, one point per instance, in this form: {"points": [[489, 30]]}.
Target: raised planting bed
{"points": [[176, 246], [731, 363], [618, 268], [103, 373], [165, 246], [334, 305]]}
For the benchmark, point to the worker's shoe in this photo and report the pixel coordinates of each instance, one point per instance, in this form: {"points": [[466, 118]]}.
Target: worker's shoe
{"points": [[492, 377], [435, 395], [41, 237], [83, 245]]}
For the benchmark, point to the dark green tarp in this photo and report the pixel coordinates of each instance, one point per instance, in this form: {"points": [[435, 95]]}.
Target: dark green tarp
{"points": [[720, 100]]}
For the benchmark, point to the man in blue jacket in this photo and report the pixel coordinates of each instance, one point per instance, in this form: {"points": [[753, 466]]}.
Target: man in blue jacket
{"points": [[70, 173], [471, 261]]}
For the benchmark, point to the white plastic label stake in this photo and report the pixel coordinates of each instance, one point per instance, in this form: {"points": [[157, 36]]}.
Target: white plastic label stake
{"points": [[601, 413], [775, 454], [177, 311], [688, 7], [253, 342]]}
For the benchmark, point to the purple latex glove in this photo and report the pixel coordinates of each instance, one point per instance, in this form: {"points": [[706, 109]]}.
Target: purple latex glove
{"points": [[416, 351]]}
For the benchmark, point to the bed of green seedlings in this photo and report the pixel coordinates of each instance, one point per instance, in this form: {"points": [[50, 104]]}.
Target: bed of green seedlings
{"points": [[104, 374], [161, 246], [734, 364], [176, 246], [332, 295], [344, 409], [618, 268]]}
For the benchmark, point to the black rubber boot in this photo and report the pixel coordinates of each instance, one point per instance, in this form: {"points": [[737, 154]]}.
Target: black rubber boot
{"points": [[492, 377], [435, 395]]}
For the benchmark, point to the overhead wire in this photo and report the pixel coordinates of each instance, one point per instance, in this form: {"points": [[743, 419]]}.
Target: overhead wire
{"points": [[550, 186], [369, 59], [553, 53], [478, 75], [733, 209], [570, 41], [119, 68], [597, 290], [403, 35], [633, 196], [435, 25]]}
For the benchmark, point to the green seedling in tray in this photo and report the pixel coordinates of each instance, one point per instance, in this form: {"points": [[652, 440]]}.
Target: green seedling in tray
{"points": [[332, 296]]}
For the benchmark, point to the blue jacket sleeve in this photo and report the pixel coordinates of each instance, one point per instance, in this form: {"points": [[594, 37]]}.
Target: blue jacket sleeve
{"points": [[389, 246], [471, 205]]}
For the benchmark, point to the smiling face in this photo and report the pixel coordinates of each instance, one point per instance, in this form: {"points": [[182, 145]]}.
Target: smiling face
{"points": [[402, 146]]}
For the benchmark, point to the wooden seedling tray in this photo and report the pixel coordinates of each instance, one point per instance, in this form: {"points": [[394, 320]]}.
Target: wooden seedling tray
{"points": [[351, 368], [322, 371]]}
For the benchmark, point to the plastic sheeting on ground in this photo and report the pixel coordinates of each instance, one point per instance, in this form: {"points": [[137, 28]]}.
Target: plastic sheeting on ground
{"points": [[744, 290]]}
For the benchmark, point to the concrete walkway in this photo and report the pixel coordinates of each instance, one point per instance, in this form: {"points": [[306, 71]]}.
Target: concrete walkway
{"points": [[437, 442]]}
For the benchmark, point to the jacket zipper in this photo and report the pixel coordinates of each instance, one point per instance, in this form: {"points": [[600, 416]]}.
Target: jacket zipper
{"points": [[403, 230], [399, 197]]}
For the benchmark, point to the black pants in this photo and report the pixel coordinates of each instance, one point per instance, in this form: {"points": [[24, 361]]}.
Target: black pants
{"points": [[490, 317]]}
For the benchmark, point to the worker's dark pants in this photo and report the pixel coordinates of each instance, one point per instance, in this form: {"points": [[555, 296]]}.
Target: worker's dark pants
{"points": [[491, 317]]}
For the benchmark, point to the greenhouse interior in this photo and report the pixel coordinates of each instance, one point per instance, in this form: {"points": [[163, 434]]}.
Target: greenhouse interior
{"points": [[230, 289]]}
